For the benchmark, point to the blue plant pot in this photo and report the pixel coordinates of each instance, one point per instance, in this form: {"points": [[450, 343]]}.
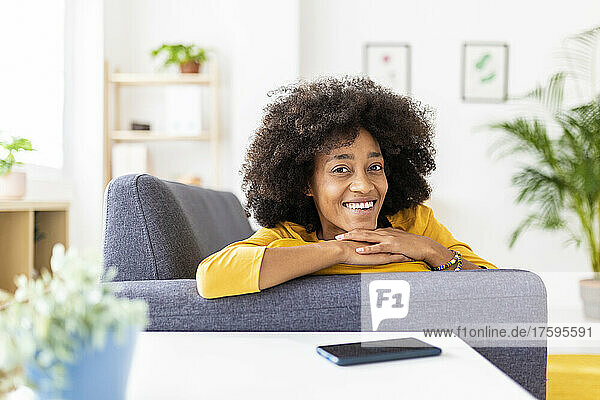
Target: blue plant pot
{"points": [[96, 374]]}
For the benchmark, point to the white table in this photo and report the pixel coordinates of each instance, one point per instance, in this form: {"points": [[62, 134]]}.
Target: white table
{"points": [[181, 365]]}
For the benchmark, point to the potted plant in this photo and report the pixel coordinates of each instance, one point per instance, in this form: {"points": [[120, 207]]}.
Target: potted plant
{"points": [[562, 182], [65, 334], [12, 183], [189, 57]]}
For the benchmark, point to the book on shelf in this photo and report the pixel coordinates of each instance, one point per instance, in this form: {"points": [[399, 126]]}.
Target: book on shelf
{"points": [[140, 126]]}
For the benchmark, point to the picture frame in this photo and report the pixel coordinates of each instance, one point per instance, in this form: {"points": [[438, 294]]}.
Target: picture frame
{"points": [[484, 72], [389, 64]]}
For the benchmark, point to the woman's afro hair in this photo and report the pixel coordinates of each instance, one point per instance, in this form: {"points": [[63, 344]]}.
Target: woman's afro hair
{"points": [[307, 118]]}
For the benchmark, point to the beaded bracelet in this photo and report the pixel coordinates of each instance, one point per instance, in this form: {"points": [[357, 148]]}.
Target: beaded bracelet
{"points": [[457, 259]]}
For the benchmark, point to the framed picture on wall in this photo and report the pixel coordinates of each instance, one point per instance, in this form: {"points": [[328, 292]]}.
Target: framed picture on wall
{"points": [[484, 72], [389, 65]]}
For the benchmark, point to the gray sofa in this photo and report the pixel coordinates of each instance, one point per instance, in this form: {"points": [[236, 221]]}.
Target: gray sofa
{"points": [[156, 232]]}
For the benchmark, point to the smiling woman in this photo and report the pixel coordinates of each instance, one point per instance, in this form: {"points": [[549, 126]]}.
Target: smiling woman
{"points": [[336, 176], [349, 186]]}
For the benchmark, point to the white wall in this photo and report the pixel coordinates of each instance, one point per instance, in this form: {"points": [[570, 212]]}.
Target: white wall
{"points": [[472, 194], [257, 46]]}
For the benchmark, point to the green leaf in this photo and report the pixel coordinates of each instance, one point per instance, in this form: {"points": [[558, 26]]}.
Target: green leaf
{"points": [[551, 95], [19, 143], [529, 136], [524, 225], [579, 55], [4, 168]]}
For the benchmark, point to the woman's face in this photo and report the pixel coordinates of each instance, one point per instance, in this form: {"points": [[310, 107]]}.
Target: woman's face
{"points": [[349, 186]]}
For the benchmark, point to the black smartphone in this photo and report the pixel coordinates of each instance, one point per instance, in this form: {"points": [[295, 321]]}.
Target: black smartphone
{"points": [[378, 350]]}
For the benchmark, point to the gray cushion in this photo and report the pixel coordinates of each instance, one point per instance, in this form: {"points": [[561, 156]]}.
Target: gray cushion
{"points": [[162, 230]]}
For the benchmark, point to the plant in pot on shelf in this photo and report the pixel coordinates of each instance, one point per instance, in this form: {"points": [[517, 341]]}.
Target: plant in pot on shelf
{"points": [[189, 58], [12, 183], [562, 182], [66, 335]]}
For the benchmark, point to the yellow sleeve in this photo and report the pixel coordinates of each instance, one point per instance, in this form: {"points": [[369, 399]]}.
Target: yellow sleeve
{"points": [[235, 269], [439, 233]]}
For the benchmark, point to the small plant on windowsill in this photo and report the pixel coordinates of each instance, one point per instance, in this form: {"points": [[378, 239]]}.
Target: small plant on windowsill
{"points": [[189, 58], [65, 333], [12, 183]]}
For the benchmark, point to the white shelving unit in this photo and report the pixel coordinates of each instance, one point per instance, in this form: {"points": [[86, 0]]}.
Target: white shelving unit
{"points": [[114, 81]]}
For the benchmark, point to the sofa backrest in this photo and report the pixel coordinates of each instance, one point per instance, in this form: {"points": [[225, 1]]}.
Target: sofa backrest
{"points": [[155, 229]]}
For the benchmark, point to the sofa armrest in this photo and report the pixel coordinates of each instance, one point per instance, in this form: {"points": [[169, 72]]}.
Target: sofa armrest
{"points": [[155, 229], [333, 302]]}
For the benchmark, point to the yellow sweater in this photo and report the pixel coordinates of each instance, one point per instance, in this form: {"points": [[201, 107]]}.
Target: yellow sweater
{"points": [[235, 269]]}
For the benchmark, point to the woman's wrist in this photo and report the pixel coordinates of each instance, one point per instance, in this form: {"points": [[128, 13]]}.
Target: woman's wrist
{"points": [[439, 255], [436, 254], [333, 252]]}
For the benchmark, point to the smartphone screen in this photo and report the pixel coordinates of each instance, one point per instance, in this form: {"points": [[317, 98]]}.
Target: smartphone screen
{"points": [[375, 351]]}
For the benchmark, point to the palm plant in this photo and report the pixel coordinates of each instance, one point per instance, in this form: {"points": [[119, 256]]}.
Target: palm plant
{"points": [[562, 184]]}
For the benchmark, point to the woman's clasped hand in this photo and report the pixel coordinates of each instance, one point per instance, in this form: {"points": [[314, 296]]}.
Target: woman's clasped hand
{"points": [[384, 245]]}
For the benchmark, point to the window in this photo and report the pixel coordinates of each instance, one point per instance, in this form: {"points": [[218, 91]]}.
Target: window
{"points": [[32, 77]]}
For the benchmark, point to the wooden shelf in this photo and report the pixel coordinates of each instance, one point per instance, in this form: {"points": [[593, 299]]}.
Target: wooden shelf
{"points": [[22, 252], [33, 205], [160, 79], [155, 136]]}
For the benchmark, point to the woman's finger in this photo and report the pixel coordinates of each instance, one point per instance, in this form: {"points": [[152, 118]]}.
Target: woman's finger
{"points": [[363, 235]]}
